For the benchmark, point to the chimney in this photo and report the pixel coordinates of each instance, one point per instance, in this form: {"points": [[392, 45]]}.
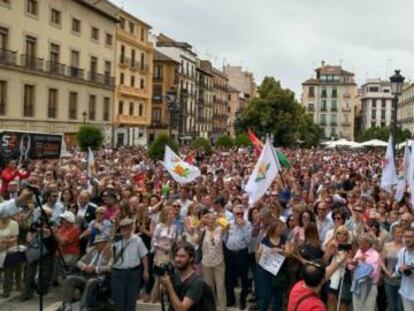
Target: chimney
{"points": [[322, 63]]}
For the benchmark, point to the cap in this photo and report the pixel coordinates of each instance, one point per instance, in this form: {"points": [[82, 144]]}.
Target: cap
{"points": [[126, 222], [68, 216]]}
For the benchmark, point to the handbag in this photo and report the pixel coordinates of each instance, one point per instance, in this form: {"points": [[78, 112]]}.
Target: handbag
{"points": [[199, 251], [15, 255]]}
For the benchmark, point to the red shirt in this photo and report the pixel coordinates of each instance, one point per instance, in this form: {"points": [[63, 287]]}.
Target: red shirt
{"points": [[70, 238], [312, 303]]}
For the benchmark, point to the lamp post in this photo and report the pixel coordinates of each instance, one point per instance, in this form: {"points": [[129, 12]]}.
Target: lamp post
{"points": [[397, 82], [84, 114]]}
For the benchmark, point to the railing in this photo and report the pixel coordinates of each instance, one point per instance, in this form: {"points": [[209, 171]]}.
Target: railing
{"points": [[76, 72], [31, 62], [100, 78], [324, 109], [334, 123], [346, 123], [311, 108], [8, 57], [322, 123], [55, 68], [334, 109], [346, 109]]}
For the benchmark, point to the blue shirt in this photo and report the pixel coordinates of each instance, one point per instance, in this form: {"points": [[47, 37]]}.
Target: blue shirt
{"points": [[406, 257], [238, 237]]}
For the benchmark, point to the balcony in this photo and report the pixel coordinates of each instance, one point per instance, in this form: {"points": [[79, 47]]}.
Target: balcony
{"points": [[127, 119], [56, 68], [323, 123], [334, 123], [101, 79], [8, 57], [158, 124], [311, 108], [31, 62], [124, 61], [75, 72], [324, 109], [334, 109], [346, 109], [346, 123], [143, 68], [134, 92]]}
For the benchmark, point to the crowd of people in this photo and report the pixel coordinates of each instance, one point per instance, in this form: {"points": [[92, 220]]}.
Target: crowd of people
{"points": [[129, 231]]}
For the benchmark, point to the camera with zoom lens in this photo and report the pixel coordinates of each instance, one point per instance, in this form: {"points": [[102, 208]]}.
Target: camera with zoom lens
{"points": [[410, 271], [161, 270]]}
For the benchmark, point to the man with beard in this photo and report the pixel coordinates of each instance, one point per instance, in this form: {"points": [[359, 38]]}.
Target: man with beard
{"points": [[186, 289]]}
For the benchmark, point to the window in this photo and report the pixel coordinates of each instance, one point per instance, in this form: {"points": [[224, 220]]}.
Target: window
{"points": [[323, 119], [55, 17], [3, 97], [373, 89], [122, 54], [311, 107], [30, 47], [142, 34], [334, 93], [32, 7], [4, 38], [95, 34], [74, 59], [122, 22], [384, 104], [142, 84], [92, 107], [311, 91], [106, 108], [107, 71], [131, 108], [29, 100], [141, 110], [132, 57], [121, 107], [158, 72], [383, 114], [142, 61], [323, 94], [54, 53], [52, 104], [334, 105], [121, 78], [108, 39], [157, 92], [373, 114], [131, 27], [133, 81], [73, 105], [76, 25], [323, 105], [156, 115]]}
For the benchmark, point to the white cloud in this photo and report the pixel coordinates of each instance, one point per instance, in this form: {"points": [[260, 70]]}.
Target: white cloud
{"points": [[288, 39]]}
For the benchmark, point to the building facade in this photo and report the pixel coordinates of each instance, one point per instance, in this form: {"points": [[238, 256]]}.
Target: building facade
{"points": [[204, 120], [236, 104], [241, 80], [56, 66], [331, 99], [164, 116], [220, 104], [376, 103], [405, 112], [186, 96], [134, 53]]}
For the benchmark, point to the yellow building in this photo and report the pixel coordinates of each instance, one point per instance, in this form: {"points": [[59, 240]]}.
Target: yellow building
{"points": [[56, 66], [134, 53], [165, 83]]}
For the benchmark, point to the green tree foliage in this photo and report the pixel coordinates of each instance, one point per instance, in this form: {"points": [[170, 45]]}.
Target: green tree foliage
{"points": [[383, 133], [277, 112], [201, 143], [224, 142], [89, 136], [157, 148], [242, 140]]}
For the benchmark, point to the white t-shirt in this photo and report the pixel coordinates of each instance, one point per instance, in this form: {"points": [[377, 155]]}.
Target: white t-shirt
{"points": [[12, 230]]}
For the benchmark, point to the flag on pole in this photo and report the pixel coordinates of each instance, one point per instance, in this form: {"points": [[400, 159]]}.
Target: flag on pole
{"points": [[265, 171], [90, 162], [389, 174], [258, 146], [181, 171], [403, 180]]}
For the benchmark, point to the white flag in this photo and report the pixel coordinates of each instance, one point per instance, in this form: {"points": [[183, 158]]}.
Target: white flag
{"points": [[90, 162], [389, 175], [403, 180], [264, 173], [181, 171]]}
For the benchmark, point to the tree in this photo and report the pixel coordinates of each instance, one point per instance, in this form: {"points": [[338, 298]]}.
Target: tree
{"points": [[89, 136], [383, 133], [242, 140], [157, 148], [225, 142], [277, 112], [201, 143]]}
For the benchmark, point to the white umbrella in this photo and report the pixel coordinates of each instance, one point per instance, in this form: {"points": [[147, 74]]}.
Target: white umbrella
{"points": [[374, 143], [343, 143], [402, 145]]}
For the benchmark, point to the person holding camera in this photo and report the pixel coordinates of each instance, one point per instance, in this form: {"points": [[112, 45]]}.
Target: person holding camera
{"points": [[405, 269], [186, 289], [130, 262]]}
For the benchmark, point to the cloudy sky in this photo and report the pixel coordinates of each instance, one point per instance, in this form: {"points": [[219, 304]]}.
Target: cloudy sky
{"points": [[289, 38]]}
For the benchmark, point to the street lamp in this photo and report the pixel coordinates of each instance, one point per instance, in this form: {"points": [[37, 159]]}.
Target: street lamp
{"points": [[397, 83], [84, 117]]}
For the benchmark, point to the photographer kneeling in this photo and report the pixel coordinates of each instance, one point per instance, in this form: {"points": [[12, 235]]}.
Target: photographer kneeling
{"points": [[186, 289], [95, 264]]}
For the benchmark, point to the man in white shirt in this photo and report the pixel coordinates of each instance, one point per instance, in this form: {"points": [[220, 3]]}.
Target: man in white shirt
{"points": [[405, 269]]}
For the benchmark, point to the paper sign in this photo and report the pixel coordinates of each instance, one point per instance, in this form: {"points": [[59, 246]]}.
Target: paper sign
{"points": [[271, 261]]}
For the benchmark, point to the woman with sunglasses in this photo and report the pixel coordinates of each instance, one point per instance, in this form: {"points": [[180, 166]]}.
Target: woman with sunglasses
{"points": [[338, 218], [212, 261], [340, 241]]}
